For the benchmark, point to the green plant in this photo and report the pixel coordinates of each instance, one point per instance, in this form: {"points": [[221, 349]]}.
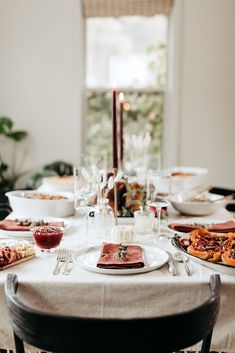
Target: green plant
{"points": [[9, 171]]}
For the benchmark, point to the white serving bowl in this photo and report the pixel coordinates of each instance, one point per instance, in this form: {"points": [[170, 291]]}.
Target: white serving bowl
{"points": [[57, 183], [210, 205], [187, 178], [41, 207]]}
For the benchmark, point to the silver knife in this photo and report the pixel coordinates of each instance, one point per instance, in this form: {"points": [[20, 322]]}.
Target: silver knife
{"points": [[171, 265]]}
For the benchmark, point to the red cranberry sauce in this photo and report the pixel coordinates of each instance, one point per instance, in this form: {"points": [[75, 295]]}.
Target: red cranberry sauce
{"points": [[47, 238]]}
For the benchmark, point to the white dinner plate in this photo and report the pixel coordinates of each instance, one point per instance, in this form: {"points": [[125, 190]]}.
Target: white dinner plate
{"points": [[28, 234], [201, 222], [153, 257], [217, 267]]}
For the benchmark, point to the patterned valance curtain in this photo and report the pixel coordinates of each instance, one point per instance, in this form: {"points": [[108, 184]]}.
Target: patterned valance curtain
{"points": [[116, 8]]}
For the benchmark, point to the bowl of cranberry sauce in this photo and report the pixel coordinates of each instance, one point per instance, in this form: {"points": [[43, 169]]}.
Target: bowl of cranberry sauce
{"points": [[47, 238]]}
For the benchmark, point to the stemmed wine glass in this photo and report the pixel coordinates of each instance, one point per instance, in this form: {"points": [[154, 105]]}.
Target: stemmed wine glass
{"points": [[158, 195], [96, 166], [85, 190]]}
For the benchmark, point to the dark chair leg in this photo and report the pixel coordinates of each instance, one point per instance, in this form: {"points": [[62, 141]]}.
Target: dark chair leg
{"points": [[18, 344], [206, 344]]}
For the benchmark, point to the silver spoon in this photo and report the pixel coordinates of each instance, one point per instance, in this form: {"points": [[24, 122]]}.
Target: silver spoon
{"points": [[180, 257]]}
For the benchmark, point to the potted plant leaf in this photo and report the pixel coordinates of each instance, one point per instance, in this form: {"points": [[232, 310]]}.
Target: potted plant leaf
{"points": [[9, 171]]}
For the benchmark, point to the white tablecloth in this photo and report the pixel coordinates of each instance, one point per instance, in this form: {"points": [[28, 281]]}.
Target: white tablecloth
{"points": [[90, 294]]}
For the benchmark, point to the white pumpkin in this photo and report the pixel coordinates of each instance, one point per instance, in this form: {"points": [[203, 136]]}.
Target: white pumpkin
{"points": [[123, 234]]}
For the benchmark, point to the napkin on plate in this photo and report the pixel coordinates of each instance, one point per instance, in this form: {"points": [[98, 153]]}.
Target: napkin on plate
{"points": [[110, 257], [224, 227], [12, 225]]}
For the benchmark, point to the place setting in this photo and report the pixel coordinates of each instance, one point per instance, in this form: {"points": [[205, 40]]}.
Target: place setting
{"points": [[20, 228], [214, 225], [121, 259]]}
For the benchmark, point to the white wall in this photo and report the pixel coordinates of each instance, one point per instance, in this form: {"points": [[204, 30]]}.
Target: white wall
{"points": [[41, 70], [41, 75], [204, 88]]}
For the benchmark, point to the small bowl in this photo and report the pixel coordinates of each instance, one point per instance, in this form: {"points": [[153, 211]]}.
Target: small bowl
{"points": [[58, 183], [49, 204], [187, 178], [211, 204], [47, 238]]}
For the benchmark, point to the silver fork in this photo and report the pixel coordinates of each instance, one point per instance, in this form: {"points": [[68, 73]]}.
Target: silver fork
{"points": [[68, 262], [61, 256]]}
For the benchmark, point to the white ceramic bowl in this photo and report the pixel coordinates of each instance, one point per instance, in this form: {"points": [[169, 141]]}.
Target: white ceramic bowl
{"points": [[212, 204], [20, 202], [187, 178], [58, 183]]}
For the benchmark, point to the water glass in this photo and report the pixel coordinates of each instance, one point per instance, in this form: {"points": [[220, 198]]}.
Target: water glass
{"points": [[144, 221], [104, 219], [85, 191], [158, 195]]}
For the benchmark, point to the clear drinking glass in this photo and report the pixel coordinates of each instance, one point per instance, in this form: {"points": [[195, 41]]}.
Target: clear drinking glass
{"points": [[158, 195], [95, 166], [144, 221], [85, 191], [104, 219]]}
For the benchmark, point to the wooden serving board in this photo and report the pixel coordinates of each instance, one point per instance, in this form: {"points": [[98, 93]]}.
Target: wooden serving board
{"points": [[26, 258]]}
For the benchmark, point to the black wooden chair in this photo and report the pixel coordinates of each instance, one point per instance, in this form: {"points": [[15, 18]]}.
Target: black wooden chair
{"points": [[64, 334], [5, 208]]}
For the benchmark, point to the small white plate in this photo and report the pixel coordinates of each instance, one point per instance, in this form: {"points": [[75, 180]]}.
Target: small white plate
{"points": [[28, 234], [87, 258], [201, 222]]}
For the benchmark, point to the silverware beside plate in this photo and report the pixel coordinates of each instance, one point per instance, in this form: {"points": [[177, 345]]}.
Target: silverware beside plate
{"points": [[181, 257], [61, 256], [171, 265], [68, 262]]}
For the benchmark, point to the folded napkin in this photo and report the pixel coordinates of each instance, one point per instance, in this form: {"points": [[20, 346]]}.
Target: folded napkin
{"points": [[224, 227], [118, 256], [13, 225]]}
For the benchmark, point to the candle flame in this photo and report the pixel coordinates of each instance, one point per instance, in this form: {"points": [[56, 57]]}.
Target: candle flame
{"points": [[121, 97]]}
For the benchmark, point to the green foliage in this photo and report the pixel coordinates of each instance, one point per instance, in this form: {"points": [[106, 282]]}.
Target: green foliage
{"points": [[8, 173], [6, 126], [60, 168], [143, 113], [157, 66]]}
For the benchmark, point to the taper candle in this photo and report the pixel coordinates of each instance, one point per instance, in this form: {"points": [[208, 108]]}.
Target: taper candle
{"points": [[121, 138], [114, 128]]}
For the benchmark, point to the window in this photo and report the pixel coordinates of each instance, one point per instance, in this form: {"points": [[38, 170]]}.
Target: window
{"points": [[128, 53]]}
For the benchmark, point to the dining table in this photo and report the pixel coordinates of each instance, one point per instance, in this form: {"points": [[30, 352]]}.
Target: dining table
{"points": [[86, 293]]}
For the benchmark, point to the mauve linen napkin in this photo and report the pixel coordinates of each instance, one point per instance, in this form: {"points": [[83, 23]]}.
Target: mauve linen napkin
{"points": [[109, 257], [13, 225], [224, 227]]}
